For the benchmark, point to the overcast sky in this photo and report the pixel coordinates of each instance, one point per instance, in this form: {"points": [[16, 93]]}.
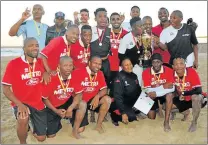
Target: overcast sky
{"points": [[11, 12]]}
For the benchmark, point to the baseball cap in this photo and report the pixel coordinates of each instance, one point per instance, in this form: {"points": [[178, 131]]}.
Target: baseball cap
{"points": [[59, 14], [156, 56]]}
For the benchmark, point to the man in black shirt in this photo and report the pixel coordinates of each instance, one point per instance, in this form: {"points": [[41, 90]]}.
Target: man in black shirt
{"points": [[180, 40], [125, 93], [58, 29]]}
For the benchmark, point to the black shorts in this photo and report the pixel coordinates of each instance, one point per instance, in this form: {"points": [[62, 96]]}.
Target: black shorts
{"points": [[155, 105], [88, 106], [38, 120], [182, 105], [54, 120]]}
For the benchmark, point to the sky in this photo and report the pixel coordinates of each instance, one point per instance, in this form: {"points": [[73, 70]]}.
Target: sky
{"points": [[11, 12]]}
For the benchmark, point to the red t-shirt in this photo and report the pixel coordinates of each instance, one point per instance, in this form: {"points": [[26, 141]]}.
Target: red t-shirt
{"points": [[165, 54], [53, 91], [150, 80], [56, 48], [80, 55], [192, 81], [90, 89], [115, 42], [25, 89]]}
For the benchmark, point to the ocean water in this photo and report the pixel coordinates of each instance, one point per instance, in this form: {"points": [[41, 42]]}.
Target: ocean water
{"points": [[11, 51]]}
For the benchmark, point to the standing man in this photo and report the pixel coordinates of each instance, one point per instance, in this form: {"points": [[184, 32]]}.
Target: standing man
{"points": [[131, 47], [163, 16], [31, 28], [180, 40], [84, 18], [158, 80], [189, 90], [100, 43], [58, 29], [58, 47], [135, 12], [95, 89], [63, 96], [80, 51], [117, 33], [21, 84]]}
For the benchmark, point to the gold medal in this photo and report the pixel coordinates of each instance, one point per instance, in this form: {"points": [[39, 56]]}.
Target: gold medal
{"points": [[31, 71]]}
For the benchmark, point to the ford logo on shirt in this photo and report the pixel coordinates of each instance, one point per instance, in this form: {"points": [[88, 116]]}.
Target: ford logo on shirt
{"points": [[32, 82]]}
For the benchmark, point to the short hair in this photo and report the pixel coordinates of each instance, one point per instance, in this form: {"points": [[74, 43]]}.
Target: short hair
{"points": [[99, 10], [72, 26], [145, 18], [125, 58], [135, 7], [163, 8], [178, 13], [93, 57], [84, 10], [134, 20], [65, 57], [115, 13], [88, 27], [27, 40], [179, 57]]}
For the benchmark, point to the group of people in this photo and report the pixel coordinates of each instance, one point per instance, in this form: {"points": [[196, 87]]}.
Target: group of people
{"points": [[101, 69]]}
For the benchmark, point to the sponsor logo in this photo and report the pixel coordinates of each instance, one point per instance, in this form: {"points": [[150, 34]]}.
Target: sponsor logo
{"points": [[160, 82], [32, 82], [171, 33], [61, 91], [87, 84], [185, 34], [126, 84], [89, 89], [34, 74]]}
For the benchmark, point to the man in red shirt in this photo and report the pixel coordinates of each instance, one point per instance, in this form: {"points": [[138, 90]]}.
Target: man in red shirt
{"points": [[80, 51], [117, 33], [163, 15], [22, 86], [95, 89], [58, 47], [158, 80], [62, 97], [189, 90]]}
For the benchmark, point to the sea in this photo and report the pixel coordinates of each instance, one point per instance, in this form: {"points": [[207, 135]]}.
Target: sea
{"points": [[18, 51]]}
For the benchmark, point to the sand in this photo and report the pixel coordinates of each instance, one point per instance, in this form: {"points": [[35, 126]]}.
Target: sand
{"points": [[142, 132]]}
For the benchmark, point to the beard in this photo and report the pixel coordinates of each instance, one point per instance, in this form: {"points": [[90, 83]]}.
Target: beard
{"points": [[30, 54]]}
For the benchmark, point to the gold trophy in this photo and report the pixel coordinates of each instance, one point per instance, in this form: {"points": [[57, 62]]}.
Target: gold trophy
{"points": [[146, 41]]}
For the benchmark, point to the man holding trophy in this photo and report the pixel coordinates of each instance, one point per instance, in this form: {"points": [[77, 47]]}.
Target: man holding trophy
{"points": [[136, 45]]}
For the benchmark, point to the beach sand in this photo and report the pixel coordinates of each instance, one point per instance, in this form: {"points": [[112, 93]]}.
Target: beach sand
{"points": [[142, 132]]}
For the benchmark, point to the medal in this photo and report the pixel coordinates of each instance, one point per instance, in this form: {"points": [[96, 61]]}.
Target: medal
{"points": [[138, 51], [100, 38], [64, 93], [114, 37], [33, 68], [115, 46]]}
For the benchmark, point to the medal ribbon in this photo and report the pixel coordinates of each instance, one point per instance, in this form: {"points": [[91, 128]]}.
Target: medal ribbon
{"points": [[86, 50], [33, 68], [183, 83], [136, 42], [100, 38], [38, 31], [114, 37], [92, 78], [62, 85]]}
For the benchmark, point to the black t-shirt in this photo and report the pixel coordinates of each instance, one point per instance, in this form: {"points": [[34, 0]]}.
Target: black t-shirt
{"points": [[179, 41]]}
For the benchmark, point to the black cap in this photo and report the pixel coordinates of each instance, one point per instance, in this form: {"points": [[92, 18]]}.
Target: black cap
{"points": [[156, 56], [59, 15]]}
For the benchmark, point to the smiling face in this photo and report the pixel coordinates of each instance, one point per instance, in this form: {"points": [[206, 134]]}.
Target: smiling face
{"points": [[95, 64], [72, 34], [179, 66], [163, 15], [148, 25], [115, 21], [86, 36], [127, 66], [31, 48], [101, 19]]}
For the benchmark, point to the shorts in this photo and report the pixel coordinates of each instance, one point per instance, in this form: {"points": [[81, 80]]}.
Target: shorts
{"points": [[38, 120], [182, 105], [88, 106], [155, 105], [54, 120]]}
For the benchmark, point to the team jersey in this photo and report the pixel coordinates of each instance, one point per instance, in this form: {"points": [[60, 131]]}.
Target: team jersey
{"points": [[115, 42], [79, 54], [25, 81], [179, 42], [164, 53], [191, 81], [91, 85], [152, 79], [56, 48], [54, 91]]}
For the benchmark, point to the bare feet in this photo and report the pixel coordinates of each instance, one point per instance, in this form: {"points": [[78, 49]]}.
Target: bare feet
{"points": [[160, 113], [99, 129], [192, 127], [75, 135], [167, 127], [172, 116], [186, 114]]}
